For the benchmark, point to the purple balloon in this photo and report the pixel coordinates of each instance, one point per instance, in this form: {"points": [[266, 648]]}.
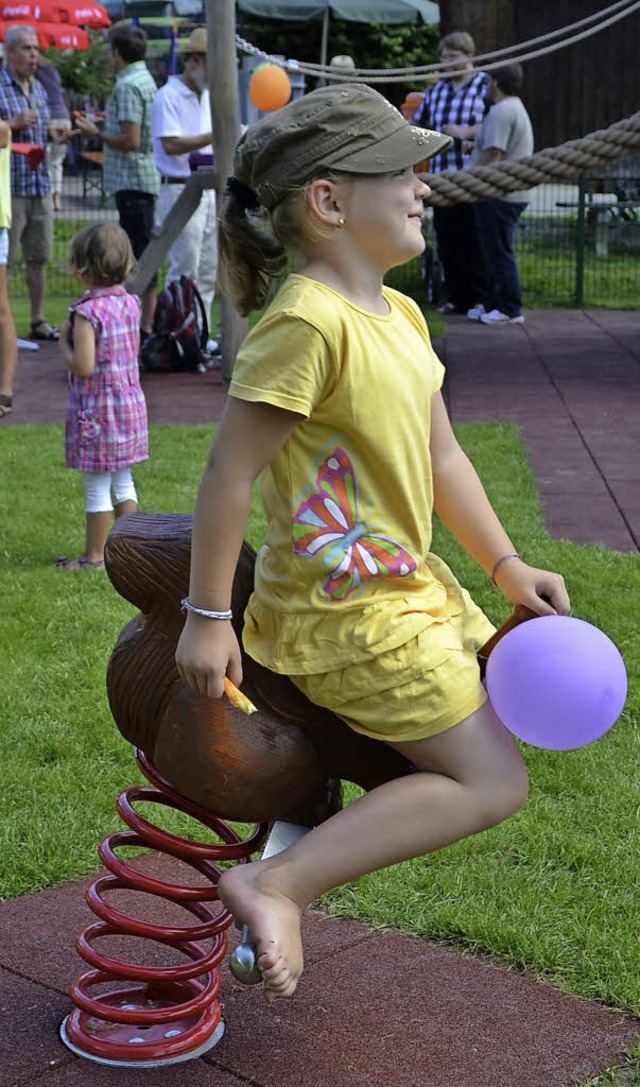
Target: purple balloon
{"points": [[557, 682]]}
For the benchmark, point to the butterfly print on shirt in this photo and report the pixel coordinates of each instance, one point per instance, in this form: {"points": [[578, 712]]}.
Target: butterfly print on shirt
{"points": [[328, 523]]}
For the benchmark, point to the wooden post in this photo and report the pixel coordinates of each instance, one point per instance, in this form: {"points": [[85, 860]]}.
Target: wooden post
{"points": [[163, 236], [225, 116]]}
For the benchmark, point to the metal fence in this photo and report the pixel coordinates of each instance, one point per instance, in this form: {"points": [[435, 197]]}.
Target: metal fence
{"points": [[577, 246]]}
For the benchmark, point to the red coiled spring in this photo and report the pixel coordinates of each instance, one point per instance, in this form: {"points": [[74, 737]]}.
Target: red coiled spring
{"points": [[171, 1013]]}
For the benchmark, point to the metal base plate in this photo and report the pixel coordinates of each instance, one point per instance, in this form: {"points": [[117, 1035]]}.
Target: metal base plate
{"points": [[157, 1063]]}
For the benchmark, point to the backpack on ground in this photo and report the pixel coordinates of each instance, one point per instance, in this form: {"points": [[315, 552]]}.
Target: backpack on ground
{"points": [[180, 330]]}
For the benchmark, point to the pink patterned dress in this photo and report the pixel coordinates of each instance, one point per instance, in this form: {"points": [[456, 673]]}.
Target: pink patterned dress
{"points": [[106, 421]]}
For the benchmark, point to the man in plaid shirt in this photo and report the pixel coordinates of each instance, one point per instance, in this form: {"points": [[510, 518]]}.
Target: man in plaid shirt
{"points": [[456, 105], [129, 170], [23, 104]]}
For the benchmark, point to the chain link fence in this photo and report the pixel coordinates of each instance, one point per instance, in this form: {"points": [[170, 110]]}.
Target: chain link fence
{"points": [[578, 244]]}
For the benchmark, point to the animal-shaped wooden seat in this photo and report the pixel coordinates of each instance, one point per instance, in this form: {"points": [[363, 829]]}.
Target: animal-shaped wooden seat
{"points": [[284, 762]]}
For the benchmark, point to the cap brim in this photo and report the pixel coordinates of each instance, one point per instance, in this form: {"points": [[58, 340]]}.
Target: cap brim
{"points": [[405, 147]]}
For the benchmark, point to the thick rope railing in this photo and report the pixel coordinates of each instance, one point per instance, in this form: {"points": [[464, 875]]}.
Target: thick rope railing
{"points": [[551, 164], [606, 18]]}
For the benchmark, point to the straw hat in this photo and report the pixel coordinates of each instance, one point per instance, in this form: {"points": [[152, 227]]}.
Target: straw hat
{"points": [[197, 40]]}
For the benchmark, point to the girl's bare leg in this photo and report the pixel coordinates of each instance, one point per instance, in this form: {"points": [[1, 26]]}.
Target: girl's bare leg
{"points": [[472, 778], [98, 525], [128, 506], [8, 340]]}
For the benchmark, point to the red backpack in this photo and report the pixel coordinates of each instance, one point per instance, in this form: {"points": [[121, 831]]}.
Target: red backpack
{"points": [[180, 330]]}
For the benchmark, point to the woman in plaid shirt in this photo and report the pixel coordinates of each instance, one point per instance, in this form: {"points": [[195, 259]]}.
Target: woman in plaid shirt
{"points": [[106, 423], [456, 105]]}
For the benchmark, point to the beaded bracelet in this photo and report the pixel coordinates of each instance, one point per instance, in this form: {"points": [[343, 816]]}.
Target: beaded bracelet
{"points": [[188, 606], [498, 564]]}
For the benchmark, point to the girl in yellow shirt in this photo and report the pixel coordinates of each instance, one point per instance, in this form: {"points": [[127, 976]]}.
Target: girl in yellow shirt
{"points": [[336, 405]]}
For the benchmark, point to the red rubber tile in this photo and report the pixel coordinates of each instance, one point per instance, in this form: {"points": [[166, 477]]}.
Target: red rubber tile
{"points": [[398, 1012], [371, 1008], [569, 379], [30, 1015], [571, 383], [40, 392]]}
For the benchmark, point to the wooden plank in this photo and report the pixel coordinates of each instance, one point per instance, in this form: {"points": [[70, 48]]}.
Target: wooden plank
{"points": [[164, 235]]}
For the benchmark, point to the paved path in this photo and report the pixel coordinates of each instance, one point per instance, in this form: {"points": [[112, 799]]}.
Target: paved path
{"points": [[376, 1007], [569, 379]]}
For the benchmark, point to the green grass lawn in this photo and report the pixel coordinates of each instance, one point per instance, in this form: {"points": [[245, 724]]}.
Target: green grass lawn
{"points": [[546, 250], [554, 891]]}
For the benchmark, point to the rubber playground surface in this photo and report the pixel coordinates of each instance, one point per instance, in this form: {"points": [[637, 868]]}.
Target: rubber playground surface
{"points": [[375, 1007]]}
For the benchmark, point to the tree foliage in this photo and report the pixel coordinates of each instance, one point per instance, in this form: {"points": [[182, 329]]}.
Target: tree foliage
{"points": [[84, 73], [370, 45]]}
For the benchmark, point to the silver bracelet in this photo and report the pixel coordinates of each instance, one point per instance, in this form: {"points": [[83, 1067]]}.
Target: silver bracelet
{"points": [[188, 606], [498, 564]]}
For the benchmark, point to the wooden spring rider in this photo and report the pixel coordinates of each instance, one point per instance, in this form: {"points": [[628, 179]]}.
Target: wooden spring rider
{"points": [[280, 768]]}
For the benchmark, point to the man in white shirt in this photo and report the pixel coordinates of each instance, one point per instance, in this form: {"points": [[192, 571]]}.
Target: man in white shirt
{"points": [[181, 124]]}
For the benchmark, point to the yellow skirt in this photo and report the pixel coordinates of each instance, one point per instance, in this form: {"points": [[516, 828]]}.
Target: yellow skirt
{"points": [[413, 691]]}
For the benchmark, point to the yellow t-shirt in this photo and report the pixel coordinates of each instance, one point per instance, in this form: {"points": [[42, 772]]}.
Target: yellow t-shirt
{"points": [[345, 571], [5, 188]]}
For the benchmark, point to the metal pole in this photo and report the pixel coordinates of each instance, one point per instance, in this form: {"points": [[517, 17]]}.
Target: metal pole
{"points": [[225, 116], [324, 42], [581, 231]]}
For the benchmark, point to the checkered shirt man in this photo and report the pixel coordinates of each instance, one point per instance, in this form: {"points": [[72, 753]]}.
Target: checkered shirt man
{"points": [[131, 101], [13, 100]]}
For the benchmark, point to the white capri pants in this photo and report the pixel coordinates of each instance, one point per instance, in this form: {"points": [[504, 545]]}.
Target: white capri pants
{"points": [[57, 155], [106, 489]]}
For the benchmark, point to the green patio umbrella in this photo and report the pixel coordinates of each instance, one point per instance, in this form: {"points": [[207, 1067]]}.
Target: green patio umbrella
{"points": [[357, 11]]}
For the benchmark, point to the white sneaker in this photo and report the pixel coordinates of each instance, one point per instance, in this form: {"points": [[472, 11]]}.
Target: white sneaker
{"points": [[213, 347], [476, 312], [495, 317]]}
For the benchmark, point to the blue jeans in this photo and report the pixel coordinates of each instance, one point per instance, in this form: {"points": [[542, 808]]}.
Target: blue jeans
{"points": [[497, 221]]}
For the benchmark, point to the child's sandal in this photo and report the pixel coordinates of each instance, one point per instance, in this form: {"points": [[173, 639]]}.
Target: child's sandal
{"points": [[42, 330], [6, 405], [79, 565]]}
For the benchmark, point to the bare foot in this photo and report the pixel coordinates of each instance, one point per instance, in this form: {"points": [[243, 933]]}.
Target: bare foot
{"points": [[273, 921]]}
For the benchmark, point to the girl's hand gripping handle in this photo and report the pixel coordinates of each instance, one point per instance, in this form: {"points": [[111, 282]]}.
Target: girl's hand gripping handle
{"points": [[208, 651]]}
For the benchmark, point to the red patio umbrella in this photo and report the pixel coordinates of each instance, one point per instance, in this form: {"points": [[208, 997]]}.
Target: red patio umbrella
{"points": [[91, 14], [52, 35], [29, 10]]}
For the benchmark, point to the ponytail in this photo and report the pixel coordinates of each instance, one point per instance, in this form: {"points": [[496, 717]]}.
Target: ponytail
{"points": [[252, 258]]}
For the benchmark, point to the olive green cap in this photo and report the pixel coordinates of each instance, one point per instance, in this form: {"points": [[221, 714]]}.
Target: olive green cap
{"points": [[347, 127]]}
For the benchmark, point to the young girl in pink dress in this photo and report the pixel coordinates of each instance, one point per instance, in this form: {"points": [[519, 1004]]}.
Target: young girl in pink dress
{"points": [[106, 421]]}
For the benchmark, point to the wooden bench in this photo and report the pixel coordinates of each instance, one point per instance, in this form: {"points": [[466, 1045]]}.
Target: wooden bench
{"points": [[601, 211], [92, 180]]}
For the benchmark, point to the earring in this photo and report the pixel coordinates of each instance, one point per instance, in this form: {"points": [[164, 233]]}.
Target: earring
{"points": [[341, 221]]}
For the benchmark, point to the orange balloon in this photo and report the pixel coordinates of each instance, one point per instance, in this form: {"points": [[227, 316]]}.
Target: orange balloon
{"points": [[411, 103], [269, 88]]}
